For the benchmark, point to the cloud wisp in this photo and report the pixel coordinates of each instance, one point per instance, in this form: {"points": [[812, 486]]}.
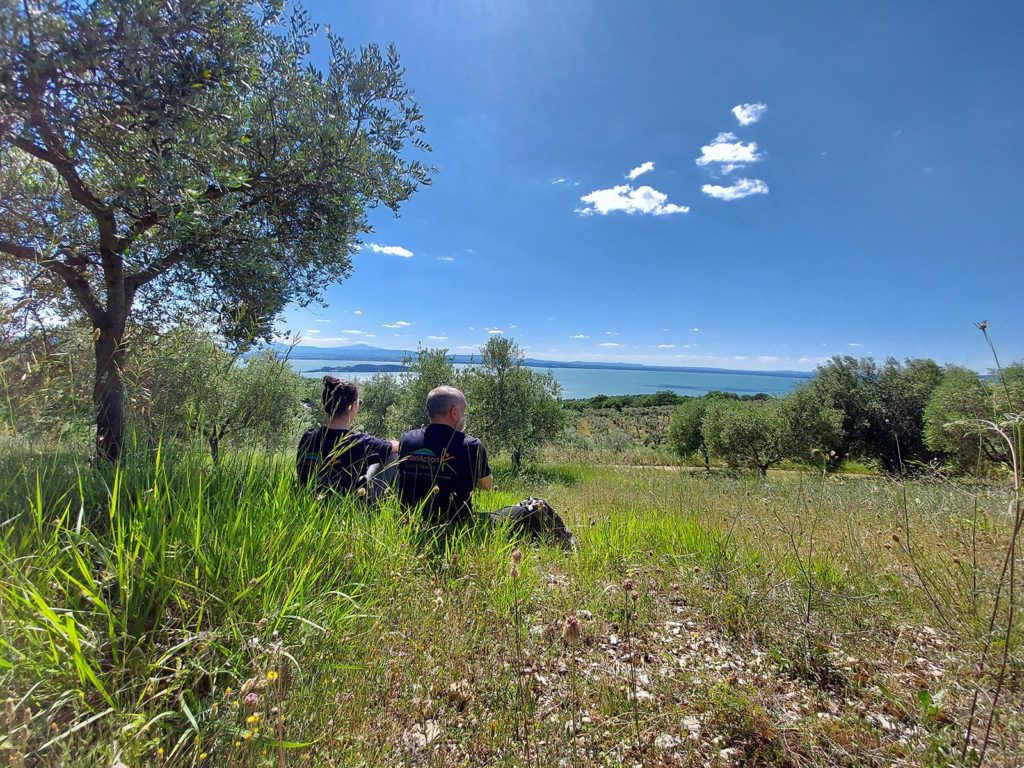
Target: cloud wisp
{"points": [[625, 198], [397, 324], [726, 153], [748, 114], [391, 250], [742, 188], [640, 170]]}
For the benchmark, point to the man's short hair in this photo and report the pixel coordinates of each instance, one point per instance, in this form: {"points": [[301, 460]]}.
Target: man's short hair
{"points": [[338, 395], [441, 399]]}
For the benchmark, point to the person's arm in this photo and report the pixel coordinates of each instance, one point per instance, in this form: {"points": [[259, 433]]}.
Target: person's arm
{"points": [[485, 481]]}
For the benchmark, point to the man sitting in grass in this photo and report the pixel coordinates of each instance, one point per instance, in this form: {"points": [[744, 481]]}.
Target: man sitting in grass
{"points": [[440, 463], [333, 456]]}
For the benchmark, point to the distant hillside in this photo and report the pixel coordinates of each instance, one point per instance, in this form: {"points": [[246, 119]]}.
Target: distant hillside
{"points": [[366, 353]]}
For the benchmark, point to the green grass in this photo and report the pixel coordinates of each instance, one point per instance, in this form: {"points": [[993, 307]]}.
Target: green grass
{"points": [[779, 621]]}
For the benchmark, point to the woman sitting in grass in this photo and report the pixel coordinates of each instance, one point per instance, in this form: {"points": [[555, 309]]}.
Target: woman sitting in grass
{"points": [[332, 455]]}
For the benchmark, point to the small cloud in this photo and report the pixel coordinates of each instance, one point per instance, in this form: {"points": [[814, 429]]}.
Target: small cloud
{"points": [[640, 170], [322, 320], [580, 336], [768, 358], [611, 333], [626, 199], [473, 347], [558, 181], [354, 332], [397, 324], [748, 114], [739, 190], [610, 344], [495, 330], [512, 325], [311, 331], [666, 346], [729, 153], [357, 311], [855, 344], [695, 330], [438, 338], [446, 258], [391, 250]]}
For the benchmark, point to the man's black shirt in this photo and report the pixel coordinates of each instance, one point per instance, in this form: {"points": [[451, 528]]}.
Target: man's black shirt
{"points": [[337, 458], [444, 457]]}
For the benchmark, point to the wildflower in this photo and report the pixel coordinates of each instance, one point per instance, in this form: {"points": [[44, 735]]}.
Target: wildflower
{"points": [[252, 699], [227, 691], [517, 556], [238, 743], [627, 586], [571, 630], [272, 675], [253, 718], [160, 751], [203, 755]]}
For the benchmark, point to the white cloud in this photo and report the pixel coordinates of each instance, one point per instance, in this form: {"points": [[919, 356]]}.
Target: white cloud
{"points": [[739, 190], [579, 336], [322, 320], [640, 170], [748, 114], [353, 332], [512, 325], [391, 250], [666, 346], [495, 330], [768, 359], [559, 181], [611, 333], [695, 330], [855, 344], [357, 311], [397, 324], [446, 258], [626, 199], [610, 344], [469, 346], [438, 338], [729, 152]]}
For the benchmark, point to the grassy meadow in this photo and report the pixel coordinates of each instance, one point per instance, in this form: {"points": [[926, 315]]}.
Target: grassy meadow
{"points": [[170, 613]]}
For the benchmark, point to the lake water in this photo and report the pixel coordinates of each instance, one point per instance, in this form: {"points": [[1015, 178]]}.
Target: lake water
{"points": [[587, 382]]}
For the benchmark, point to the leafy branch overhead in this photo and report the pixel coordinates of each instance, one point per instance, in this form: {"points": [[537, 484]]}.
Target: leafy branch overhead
{"points": [[188, 157]]}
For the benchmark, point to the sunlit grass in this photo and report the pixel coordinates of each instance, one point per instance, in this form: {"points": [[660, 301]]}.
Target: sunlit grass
{"points": [[171, 613]]}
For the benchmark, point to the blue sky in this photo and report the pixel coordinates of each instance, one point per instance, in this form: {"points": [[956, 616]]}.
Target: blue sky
{"points": [[871, 205]]}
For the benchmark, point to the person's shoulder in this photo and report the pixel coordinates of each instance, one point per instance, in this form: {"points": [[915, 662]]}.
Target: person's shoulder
{"points": [[474, 441], [311, 434]]}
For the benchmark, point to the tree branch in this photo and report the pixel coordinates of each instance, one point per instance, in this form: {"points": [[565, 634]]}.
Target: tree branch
{"points": [[74, 279]]}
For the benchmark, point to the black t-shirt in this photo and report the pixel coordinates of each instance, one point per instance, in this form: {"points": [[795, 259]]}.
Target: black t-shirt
{"points": [[337, 458], [444, 457]]}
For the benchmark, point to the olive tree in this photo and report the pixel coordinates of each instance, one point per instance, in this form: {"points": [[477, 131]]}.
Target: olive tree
{"points": [[192, 385], [160, 157], [686, 430], [515, 409], [380, 395], [964, 411], [430, 368]]}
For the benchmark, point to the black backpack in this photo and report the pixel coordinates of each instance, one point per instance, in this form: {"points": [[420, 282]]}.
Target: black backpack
{"points": [[536, 519]]}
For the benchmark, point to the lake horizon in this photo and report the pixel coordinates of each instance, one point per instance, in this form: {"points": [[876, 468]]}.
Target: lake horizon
{"points": [[581, 382]]}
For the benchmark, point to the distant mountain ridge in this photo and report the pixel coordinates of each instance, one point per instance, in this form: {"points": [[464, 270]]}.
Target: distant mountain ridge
{"points": [[367, 353]]}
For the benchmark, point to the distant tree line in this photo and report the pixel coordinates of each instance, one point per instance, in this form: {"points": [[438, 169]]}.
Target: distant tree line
{"points": [[183, 384], [902, 415]]}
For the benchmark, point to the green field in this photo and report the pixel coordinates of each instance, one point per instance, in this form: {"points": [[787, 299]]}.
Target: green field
{"points": [[174, 614]]}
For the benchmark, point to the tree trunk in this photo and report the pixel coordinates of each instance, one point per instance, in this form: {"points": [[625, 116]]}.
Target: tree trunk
{"points": [[108, 391], [707, 459], [213, 438]]}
